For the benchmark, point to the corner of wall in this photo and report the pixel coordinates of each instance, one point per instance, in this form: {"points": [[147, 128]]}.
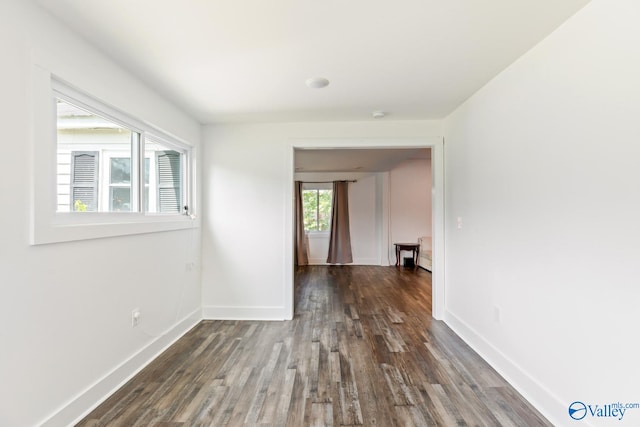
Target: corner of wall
{"points": [[534, 392], [78, 407]]}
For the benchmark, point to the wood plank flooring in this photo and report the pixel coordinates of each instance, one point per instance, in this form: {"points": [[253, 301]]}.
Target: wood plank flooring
{"points": [[362, 350]]}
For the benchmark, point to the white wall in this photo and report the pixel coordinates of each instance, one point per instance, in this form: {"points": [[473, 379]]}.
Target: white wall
{"points": [[65, 311], [248, 174], [543, 167], [410, 203]]}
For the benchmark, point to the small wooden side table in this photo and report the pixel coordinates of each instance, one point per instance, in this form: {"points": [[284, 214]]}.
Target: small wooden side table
{"points": [[413, 247]]}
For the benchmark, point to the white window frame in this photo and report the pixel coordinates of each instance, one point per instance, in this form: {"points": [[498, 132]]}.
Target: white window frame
{"points": [[50, 226]]}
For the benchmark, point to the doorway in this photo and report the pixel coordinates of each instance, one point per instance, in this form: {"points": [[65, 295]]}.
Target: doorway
{"points": [[366, 147]]}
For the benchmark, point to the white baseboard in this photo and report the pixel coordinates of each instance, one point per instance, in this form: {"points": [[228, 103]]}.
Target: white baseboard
{"points": [[537, 394], [356, 261], [80, 406], [212, 312]]}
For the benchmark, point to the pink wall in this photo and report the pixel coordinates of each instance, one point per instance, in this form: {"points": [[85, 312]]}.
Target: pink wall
{"points": [[410, 201]]}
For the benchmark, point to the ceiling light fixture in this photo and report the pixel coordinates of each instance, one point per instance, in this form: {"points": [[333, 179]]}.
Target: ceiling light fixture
{"points": [[317, 82], [378, 114]]}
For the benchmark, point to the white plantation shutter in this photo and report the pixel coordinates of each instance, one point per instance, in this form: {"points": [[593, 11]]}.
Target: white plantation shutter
{"points": [[84, 179], [169, 164]]}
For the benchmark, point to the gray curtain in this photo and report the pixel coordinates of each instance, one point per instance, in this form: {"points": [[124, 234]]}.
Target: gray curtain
{"points": [[301, 240], [340, 238]]}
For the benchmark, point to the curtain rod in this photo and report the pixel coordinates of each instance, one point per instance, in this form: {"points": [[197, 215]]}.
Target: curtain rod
{"points": [[329, 182]]}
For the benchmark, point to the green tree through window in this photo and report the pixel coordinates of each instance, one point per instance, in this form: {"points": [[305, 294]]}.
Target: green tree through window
{"points": [[317, 209]]}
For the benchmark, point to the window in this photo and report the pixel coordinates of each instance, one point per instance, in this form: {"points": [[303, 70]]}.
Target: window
{"points": [[98, 169], [120, 184], [316, 204], [99, 172]]}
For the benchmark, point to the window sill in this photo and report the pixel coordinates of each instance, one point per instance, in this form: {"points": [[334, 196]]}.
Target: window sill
{"points": [[317, 234], [70, 227]]}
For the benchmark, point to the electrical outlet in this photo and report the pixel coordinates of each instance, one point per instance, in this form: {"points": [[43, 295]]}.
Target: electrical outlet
{"points": [[136, 317]]}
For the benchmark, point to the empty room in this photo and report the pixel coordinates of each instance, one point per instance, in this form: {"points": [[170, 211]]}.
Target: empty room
{"points": [[294, 213]]}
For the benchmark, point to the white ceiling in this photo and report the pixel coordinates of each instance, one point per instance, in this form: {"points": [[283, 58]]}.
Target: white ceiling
{"points": [[247, 60]]}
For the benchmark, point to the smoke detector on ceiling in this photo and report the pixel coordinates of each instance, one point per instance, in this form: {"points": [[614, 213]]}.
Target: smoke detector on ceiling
{"points": [[378, 114]]}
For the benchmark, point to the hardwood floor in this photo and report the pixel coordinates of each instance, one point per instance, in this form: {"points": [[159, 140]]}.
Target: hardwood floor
{"points": [[361, 350]]}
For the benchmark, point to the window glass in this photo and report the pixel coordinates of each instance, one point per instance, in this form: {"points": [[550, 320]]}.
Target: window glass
{"points": [[120, 184], [121, 170], [95, 172], [317, 209], [120, 199], [84, 139], [163, 178]]}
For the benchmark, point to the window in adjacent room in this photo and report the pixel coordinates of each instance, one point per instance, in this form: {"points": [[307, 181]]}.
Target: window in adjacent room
{"points": [[316, 204]]}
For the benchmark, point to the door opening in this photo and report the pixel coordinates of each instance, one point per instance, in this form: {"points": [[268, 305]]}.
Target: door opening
{"points": [[327, 149]]}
